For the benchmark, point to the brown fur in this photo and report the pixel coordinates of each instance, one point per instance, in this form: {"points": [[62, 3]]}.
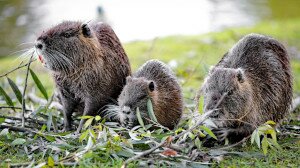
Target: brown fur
{"points": [[156, 81], [88, 63], [254, 78]]}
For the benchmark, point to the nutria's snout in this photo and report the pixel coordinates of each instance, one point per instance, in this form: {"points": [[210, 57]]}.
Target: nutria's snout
{"points": [[126, 110], [127, 117]]}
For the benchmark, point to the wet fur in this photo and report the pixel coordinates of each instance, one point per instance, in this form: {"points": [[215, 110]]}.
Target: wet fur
{"points": [[89, 71], [265, 94], [166, 96]]}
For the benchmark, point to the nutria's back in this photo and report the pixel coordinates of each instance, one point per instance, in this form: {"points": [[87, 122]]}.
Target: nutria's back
{"points": [[252, 82], [154, 81]]}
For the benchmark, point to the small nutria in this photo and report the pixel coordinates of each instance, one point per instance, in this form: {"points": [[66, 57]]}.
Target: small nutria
{"points": [[154, 80], [88, 63], [250, 85]]}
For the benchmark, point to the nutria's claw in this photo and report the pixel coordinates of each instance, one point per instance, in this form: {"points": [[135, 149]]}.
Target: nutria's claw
{"points": [[222, 133]]}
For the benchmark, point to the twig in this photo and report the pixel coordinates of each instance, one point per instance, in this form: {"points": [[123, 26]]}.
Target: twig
{"points": [[24, 92], [197, 100], [147, 152], [18, 129], [165, 141], [239, 120], [13, 107], [26, 119], [233, 145], [19, 67], [39, 100], [56, 164]]}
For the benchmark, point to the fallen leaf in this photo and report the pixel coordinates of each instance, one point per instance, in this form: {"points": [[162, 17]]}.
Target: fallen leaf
{"points": [[169, 152]]}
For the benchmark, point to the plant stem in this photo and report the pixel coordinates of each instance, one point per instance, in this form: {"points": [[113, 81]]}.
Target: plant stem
{"points": [[24, 91]]}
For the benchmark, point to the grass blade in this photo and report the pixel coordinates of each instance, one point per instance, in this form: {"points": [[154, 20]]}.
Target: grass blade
{"points": [[139, 117], [6, 97], [150, 110], [15, 89], [209, 132], [39, 84]]}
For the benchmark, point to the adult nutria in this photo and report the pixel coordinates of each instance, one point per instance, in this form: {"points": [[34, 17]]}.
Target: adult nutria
{"points": [[156, 81], [250, 85], [88, 63]]}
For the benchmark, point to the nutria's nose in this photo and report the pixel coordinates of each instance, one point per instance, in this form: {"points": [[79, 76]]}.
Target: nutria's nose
{"points": [[39, 45], [126, 110]]}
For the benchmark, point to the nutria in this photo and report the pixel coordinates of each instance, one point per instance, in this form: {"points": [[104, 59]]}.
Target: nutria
{"points": [[250, 85], [156, 81], [88, 63]]}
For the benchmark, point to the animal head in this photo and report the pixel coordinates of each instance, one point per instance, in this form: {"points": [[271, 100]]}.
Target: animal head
{"points": [[226, 92], [134, 95], [66, 45]]}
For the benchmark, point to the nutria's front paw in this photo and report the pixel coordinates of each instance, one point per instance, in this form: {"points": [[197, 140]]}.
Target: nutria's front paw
{"points": [[127, 124], [222, 133]]}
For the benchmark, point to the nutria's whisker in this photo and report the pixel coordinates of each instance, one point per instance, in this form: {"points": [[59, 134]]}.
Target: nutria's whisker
{"points": [[26, 43]]}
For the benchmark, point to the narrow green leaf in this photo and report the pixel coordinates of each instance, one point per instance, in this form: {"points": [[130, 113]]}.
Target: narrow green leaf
{"points": [[257, 139], [191, 135], [198, 143], [18, 141], [2, 120], [269, 122], [51, 162], [92, 133], [85, 117], [273, 135], [139, 117], [201, 105], [15, 89], [264, 145], [125, 153], [39, 84], [150, 110], [49, 122], [275, 144], [83, 135], [49, 138], [6, 97], [208, 131], [4, 132], [253, 135], [88, 123]]}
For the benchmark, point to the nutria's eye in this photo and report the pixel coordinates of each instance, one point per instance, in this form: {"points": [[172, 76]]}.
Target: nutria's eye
{"points": [[151, 86]]}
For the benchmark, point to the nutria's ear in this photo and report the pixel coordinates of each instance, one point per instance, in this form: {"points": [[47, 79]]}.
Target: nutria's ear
{"points": [[86, 31], [240, 75], [151, 86], [128, 79]]}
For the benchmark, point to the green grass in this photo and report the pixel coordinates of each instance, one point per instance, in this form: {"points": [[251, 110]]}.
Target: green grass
{"points": [[193, 56]]}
